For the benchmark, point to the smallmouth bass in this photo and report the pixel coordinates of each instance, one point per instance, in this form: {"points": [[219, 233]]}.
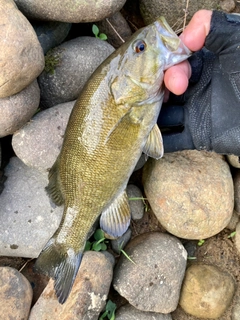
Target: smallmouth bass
{"points": [[112, 123]]}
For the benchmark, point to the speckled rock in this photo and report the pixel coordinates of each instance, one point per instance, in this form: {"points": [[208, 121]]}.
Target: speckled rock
{"points": [[21, 55], [75, 61], [15, 295], [207, 291], [17, 110], [27, 218], [136, 201], [190, 192], [38, 143], [153, 283], [128, 312], [88, 295], [233, 161], [69, 10]]}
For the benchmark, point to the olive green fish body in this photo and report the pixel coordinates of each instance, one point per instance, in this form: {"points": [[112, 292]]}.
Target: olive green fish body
{"points": [[112, 123]]}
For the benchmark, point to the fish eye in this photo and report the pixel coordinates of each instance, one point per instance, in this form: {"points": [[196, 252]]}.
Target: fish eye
{"points": [[140, 46]]}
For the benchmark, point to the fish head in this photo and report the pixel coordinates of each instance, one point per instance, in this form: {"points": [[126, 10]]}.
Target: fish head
{"points": [[140, 63]]}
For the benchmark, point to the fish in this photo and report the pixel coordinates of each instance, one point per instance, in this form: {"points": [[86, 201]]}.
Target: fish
{"points": [[112, 123]]}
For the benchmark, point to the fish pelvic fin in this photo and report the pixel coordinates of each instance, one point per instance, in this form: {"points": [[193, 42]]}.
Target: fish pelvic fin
{"points": [[61, 264], [54, 186], [154, 144]]}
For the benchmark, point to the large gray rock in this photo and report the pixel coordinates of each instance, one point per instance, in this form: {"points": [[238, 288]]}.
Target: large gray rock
{"points": [[153, 283], [69, 10], [17, 110], [21, 55], [27, 219], [69, 66], [38, 143], [128, 312], [190, 192]]}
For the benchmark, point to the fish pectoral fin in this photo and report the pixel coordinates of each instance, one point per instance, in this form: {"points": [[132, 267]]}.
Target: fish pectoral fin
{"points": [[61, 264], [154, 145], [53, 189], [115, 220]]}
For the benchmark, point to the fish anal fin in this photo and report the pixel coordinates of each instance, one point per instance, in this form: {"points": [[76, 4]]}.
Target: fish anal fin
{"points": [[54, 187], [115, 220], [61, 264], [154, 144]]}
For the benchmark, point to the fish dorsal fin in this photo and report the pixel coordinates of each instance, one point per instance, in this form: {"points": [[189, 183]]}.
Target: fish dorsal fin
{"points": [[54, 189], [116, 218], [154, 145]]}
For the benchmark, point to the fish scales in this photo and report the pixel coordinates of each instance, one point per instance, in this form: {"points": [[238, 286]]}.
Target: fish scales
{"points": [[112, 123]]}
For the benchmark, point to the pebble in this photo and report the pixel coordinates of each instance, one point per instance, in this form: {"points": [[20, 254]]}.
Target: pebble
{"points": [[88, 296], [207, 291], [21, 55], [39, 142], [190, 192], [51, 33], [121, 242], [153, 282], [27, 219], [237, 237], [128, 312], [136, 205], [69, 10], [17, 110], [68, 67], [15, 295], [233, 161]]}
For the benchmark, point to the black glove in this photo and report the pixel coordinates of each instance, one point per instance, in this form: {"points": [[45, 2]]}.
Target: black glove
{"points": [[207, 115]]}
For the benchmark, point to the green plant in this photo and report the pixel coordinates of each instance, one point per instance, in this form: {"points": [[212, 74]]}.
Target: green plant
{"points": [[201, 242], [52, 60], [98, 35], [232, 234], [109, 312], [99, 243]]}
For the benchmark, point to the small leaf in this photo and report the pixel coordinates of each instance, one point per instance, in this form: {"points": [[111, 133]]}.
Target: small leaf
{"points": [[111, 308], [127, 256], [232, 234], [96, 246], [103, 246], [99, 235], [201, 242], [102, 36], [95, 30], [88, 246]]}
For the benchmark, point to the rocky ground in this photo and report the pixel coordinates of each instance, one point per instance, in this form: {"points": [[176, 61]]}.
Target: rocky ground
{"points": [[184, 239]]}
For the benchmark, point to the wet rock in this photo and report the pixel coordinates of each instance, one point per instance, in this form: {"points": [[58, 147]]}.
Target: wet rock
{"points": [[69, 66], [21, 56], [88, 295], [51, 34], [153, 283], [116, 28], [69, 10], [15, 294], [207, 291], [121, 242], [236, 183], [233, 161], [190, 192], [136, 204], [27, 218], [128, 312], [17, 110], [39, 142]]}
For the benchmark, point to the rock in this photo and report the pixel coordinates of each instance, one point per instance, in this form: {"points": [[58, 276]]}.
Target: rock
{"points": [[21, 56], [236, 309], [27, 218], [69, 10], [136, 205], [207, 291], [153, 283], [233, 222], [236, 184], [233, 161], [174, 11], [17, 110], [190, 192], [69, 66], [116, 28], [15, 294], [128, 312], [88, 295], [121, 242], [237, 237], [38, 143], [51, 34]]}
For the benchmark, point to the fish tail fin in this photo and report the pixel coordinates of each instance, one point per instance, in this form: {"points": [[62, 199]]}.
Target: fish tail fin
{"points": [[61, 264]]}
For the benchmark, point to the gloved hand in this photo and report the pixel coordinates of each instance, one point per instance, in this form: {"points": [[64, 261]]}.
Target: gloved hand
{"points": [[207, 115]]}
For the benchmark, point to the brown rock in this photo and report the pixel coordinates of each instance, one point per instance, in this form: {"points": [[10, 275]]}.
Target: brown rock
{"points": [[190, 192], [233, 161], [88, 295], [21, 56], [207, 291], [15, 295]]}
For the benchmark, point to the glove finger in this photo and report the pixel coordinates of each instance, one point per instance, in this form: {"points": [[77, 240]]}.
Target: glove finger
{"points": [[177, 141], [171, 116]]}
